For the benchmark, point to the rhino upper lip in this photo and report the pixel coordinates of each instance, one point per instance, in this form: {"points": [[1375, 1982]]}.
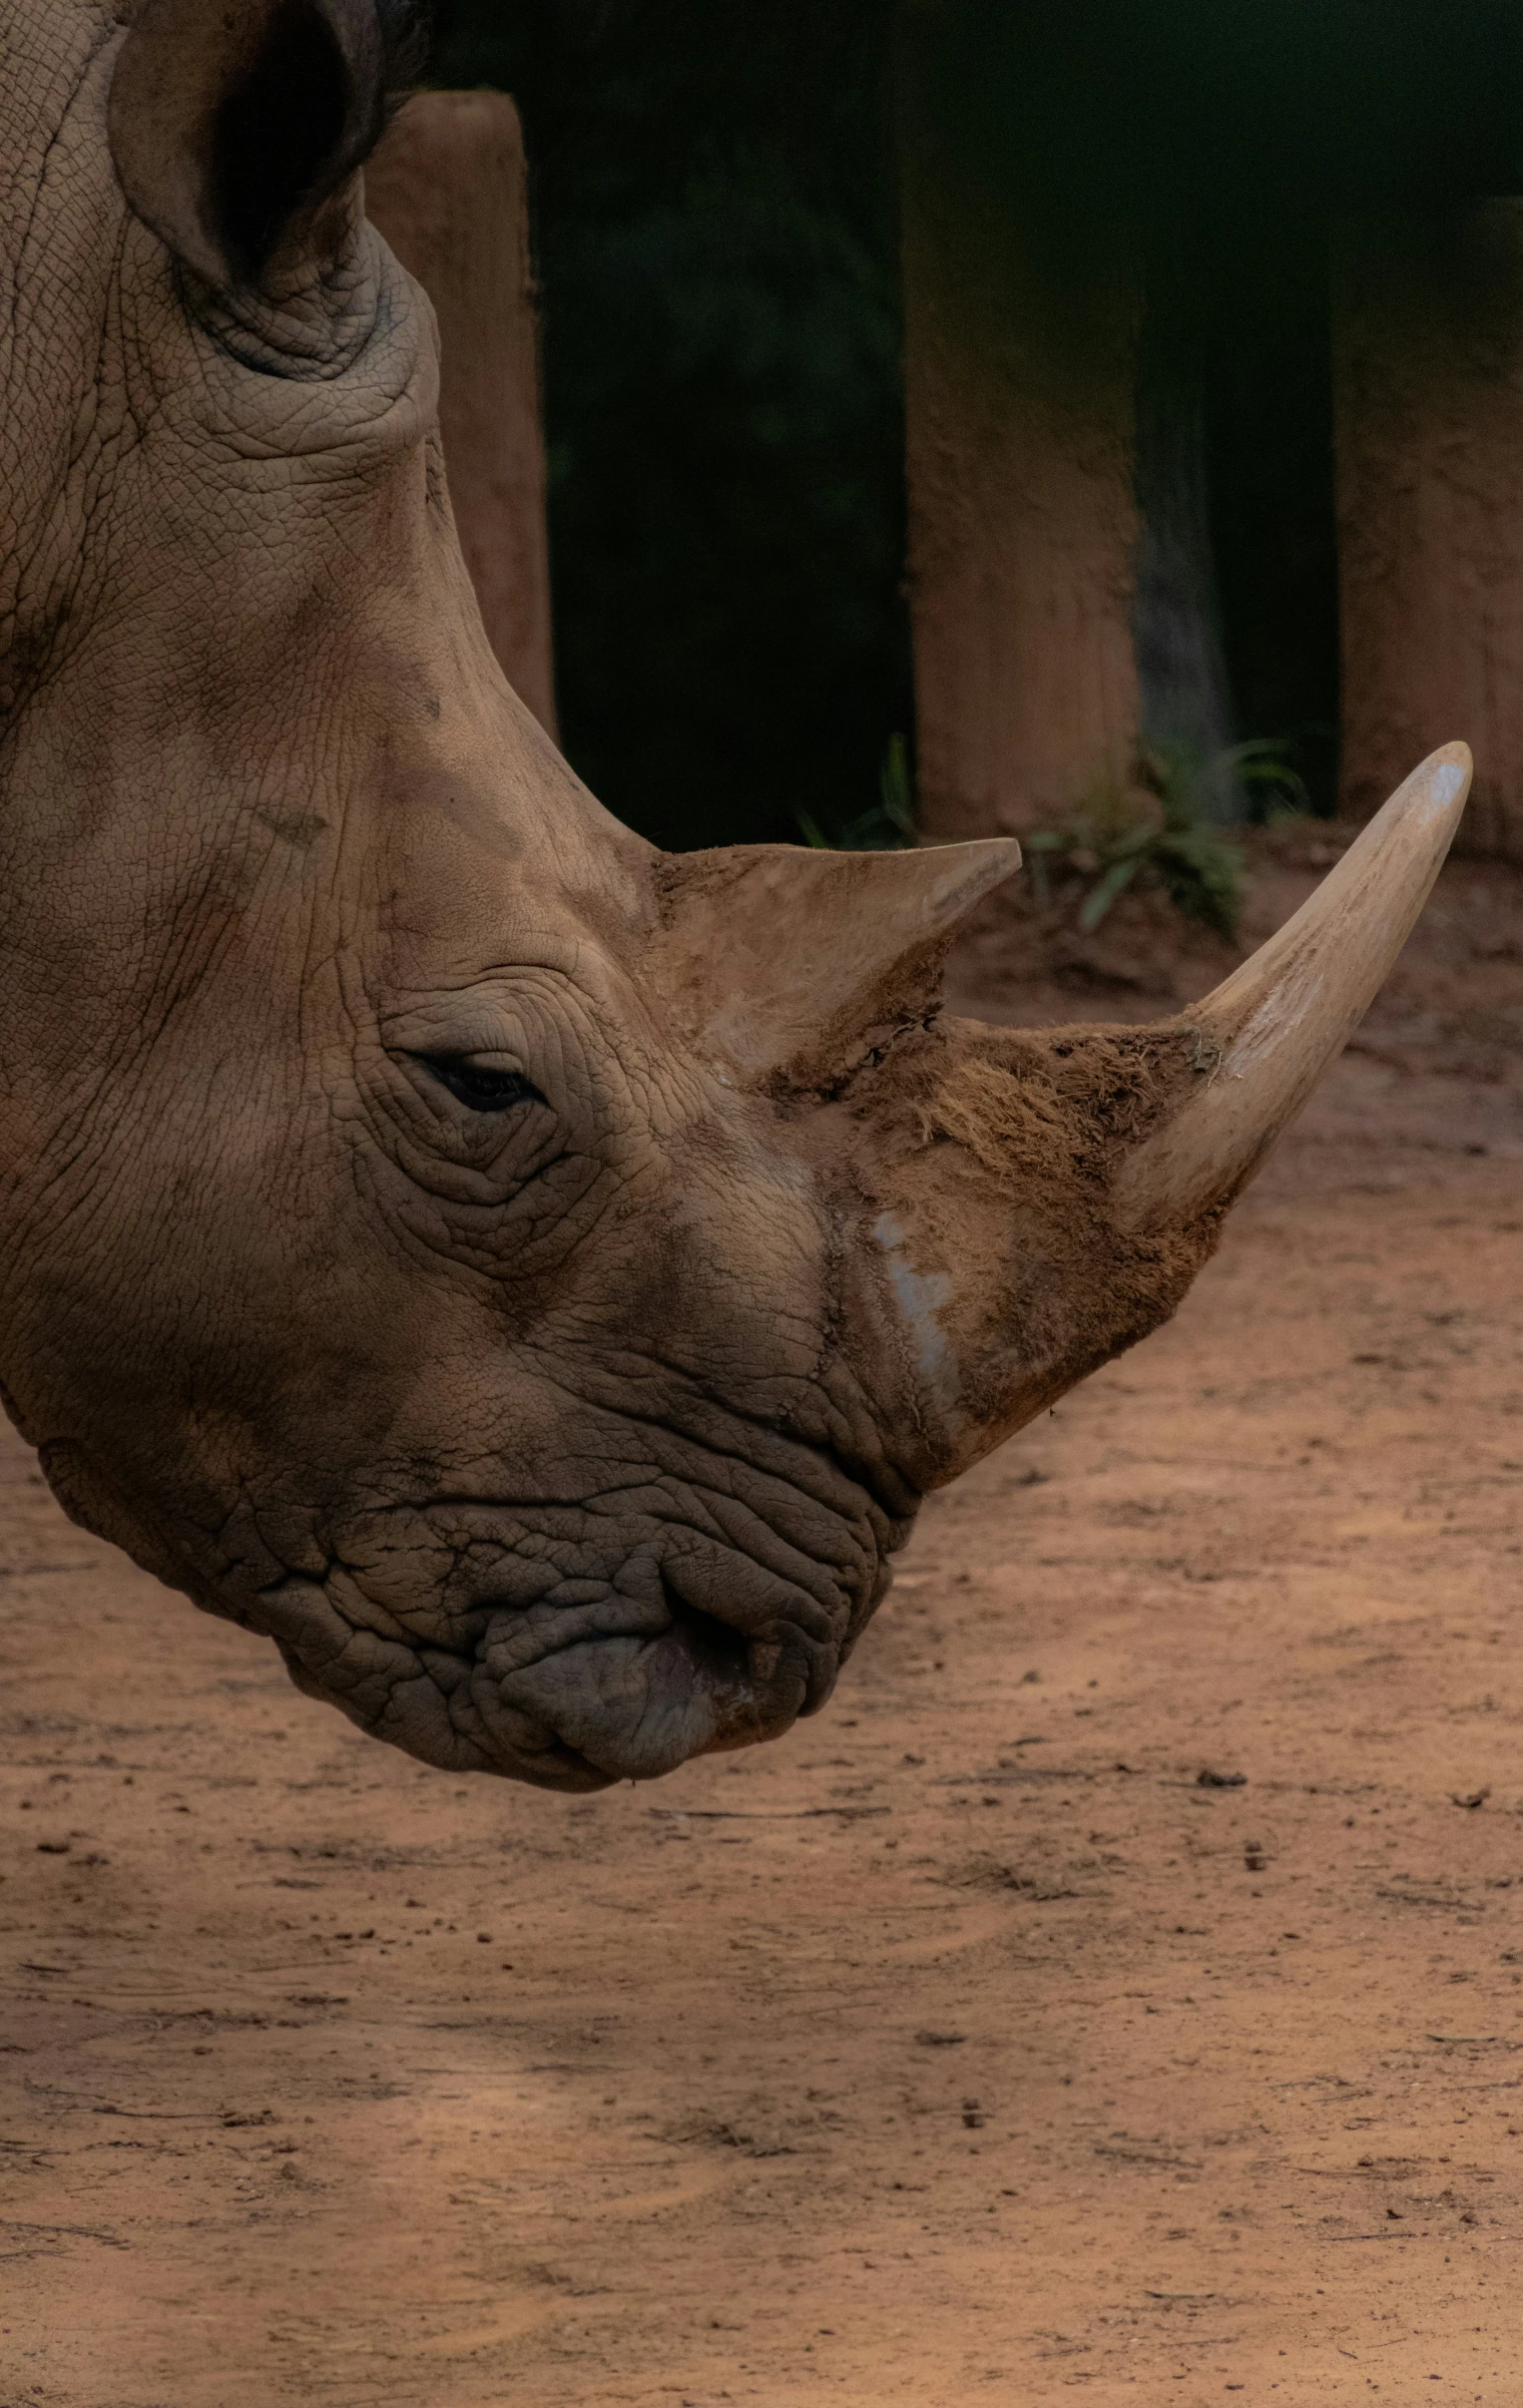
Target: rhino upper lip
{"points": [[743, 1660]]}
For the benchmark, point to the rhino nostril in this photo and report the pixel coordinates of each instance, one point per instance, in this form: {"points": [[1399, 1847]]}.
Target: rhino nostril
{"points": [[782, 1668], [717, 1648]]}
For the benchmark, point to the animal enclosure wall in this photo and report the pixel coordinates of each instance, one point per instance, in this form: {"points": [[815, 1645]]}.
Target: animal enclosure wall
{"points": [[1020, 375], [715, 228], [1109, 524], [715, 241], [447, 190], [1429, 367]]}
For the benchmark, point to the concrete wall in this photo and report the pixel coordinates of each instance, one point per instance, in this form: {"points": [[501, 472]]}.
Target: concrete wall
{"points": [[1428, 359], [447, 190], [1020, 373]]}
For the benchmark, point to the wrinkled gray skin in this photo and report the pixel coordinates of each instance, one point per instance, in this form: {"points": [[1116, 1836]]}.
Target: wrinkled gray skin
{"points": [[566, 1436]]}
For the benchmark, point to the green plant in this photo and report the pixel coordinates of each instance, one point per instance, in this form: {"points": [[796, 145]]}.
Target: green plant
{"points": [[889, 826], [1164, 831], [1265, 773]]}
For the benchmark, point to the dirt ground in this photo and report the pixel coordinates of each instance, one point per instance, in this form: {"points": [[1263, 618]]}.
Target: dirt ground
{"points": [[1117, 1992]]}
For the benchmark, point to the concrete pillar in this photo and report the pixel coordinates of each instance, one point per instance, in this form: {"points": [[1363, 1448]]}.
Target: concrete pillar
{"points": [[447, 188], [1428, 383], [1020, 383]]}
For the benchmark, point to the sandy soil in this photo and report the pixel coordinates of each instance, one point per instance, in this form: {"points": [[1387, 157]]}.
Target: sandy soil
{"points": [[969, 2045]]}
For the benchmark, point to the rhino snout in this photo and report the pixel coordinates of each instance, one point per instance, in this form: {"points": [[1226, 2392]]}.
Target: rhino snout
{"points": [[698, 1651]]}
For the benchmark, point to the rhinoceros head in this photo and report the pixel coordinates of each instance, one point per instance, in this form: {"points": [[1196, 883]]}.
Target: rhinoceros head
{"points": [[531, 1277]]}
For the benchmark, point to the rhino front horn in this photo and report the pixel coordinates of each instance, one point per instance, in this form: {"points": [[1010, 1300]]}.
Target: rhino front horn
{"points": [[1271, 1029]]}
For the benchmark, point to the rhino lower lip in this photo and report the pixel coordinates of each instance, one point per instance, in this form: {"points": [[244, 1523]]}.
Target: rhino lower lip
{"points": [[634, 1707], [576, 1711]]}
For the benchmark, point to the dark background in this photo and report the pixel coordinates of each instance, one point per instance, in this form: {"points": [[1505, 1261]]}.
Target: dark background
{"points": [[716, 237]]}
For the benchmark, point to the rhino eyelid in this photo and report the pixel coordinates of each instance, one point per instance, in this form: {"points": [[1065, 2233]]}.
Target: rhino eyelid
{"points": [[478, 1085]]}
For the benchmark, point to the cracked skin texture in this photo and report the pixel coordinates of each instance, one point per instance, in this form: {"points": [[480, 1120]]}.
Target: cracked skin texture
{"points": [[565, 1440]]}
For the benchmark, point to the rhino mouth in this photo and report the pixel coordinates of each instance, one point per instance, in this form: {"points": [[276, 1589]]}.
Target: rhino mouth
{"points": [[631, 1704], [577, 1698], [634, 1705]]}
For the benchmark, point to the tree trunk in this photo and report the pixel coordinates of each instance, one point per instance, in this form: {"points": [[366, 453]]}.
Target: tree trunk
{"points": [[1020, 375], [447, 188], [1428, 367]]}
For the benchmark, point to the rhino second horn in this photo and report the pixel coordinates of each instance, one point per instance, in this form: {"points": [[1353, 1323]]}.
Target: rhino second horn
{"points": [[1270, 1030]]}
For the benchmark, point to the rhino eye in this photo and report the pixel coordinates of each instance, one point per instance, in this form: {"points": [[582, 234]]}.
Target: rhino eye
{"points": [[478, 1086]]}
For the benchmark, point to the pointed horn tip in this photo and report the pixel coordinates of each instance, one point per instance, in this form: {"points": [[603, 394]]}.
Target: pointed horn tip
{"points": [[1459, 754], [1004, 857], [1283, 1014], [1005, 848], [971, 867], [1406, 839], [1402, 846], [997, 857], [1442, 782]]}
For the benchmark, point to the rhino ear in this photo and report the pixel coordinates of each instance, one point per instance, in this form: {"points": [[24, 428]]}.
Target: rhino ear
{"points": [[237, 124], [781, 963]]}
